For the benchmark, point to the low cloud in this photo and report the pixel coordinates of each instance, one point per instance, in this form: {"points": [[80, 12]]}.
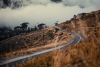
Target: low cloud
{"points": [[45, 11]]}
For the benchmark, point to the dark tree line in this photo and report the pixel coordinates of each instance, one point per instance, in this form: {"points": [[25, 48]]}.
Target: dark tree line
{"points": [[6, 32], [23, 28]]}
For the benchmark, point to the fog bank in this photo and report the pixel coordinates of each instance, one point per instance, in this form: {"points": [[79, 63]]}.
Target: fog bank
{"points": [[45, 11]]}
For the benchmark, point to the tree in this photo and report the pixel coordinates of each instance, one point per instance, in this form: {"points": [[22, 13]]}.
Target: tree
{"points": [[24, 26], [35, 28], [56, 23], [41, 26], [17, 28], [29, 29]]}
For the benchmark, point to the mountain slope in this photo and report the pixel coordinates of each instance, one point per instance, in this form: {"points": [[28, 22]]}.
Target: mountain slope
{"points": [[83, 23], [84, 54], [33, 41]]}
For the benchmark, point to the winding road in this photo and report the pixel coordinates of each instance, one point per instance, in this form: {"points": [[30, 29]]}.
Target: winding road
{"points": [[21, 59]]}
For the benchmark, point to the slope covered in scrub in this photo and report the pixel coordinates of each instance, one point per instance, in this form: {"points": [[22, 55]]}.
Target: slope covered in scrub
{"points": [[84, 54], [32, 42]]}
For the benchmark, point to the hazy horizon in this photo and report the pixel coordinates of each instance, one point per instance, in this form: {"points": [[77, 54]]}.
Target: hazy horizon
{"points": [[46, 11]]}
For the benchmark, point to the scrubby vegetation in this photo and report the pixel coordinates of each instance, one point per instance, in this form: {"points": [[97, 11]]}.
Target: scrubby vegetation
{"points": [[32, 42], [84, 54], [22, 37]]}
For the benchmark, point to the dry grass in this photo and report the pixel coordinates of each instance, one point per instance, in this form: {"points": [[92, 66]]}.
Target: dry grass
{"points": [[58, 40], [84, 54], [32, 50]]}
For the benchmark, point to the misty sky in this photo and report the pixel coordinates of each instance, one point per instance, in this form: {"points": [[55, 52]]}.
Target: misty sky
{"points": [[45, 11]]}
